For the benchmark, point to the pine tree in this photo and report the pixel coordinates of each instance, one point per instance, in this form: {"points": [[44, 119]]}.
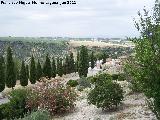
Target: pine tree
{"points": [[39, 71], [23, 75], [53, 68], [2, 74], [10, 70], [47, 70], [71, 63], [27, 72], [92, 60], [32, 71], [83, 62]]}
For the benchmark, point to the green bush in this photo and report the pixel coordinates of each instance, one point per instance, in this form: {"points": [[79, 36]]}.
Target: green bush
{"points": [[37, 115], [121, 77], [72, 83], [102, 79], [16, 108], [106, 96], [83, 83], [115, 76]]}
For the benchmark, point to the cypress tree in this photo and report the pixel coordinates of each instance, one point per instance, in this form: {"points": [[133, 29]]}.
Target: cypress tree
{"points": [[27, 72], [2, 74], [77, 62], [83, 62], [32, 71], [47, 70], [67, 66], [59, 67], [39, 71], [10, 70], [92, 60], [53, 68], [105, 56], [71, 63], [64, 67], [23, 75]]}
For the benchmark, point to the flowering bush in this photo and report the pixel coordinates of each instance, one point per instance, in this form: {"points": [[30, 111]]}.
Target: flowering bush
{"points": [[52, 96]]}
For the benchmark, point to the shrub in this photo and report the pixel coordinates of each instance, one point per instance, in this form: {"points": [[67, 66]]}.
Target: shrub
{"points": [[106, 96], [37, 115], [52, 96], [115, 76], [102, 79], [72, 83], [83, 83], [121, 77], [16, 107]]}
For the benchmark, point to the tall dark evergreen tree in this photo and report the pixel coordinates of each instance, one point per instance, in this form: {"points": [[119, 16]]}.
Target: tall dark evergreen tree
{"points": [[23, 75], [105, 56], [77, 62], [59, 67], [32, 71], [47, 70], [83, 62], [39, 71], [2, 74], [67, 66], [71, 63], [92, 60], [10, 70], [27, 72], [53, 68]]}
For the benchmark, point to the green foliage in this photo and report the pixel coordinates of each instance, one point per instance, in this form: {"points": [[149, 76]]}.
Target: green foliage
{"points": [[59, 67], [37, 115], [23, 75], [16, 107], [52, 96], [106, 96], [115, 76], [83, 62], [71, 63], [100, 79], [53, 68], [10, 70], [145, 65], [121, 77], [39, 71], [47, 69], [83, 83], [72, 83], [104, 57], [32, 71], [2, 74], [27, 72], [92, 60]]}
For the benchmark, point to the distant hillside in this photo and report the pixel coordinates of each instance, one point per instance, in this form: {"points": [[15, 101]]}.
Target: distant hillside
{"points": [[24, 47]]}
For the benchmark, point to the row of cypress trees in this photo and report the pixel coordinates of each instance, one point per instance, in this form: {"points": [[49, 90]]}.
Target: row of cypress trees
{"points": [[35, 70]]}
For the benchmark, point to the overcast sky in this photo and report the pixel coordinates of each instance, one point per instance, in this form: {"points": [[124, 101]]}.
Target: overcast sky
{"points": [[88, 18]]}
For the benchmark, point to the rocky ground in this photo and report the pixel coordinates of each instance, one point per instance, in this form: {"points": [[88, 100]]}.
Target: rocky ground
{"points": [[133, 106]]}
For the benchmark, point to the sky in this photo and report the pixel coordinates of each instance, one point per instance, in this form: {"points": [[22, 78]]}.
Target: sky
{"points": [[86, 18]]}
